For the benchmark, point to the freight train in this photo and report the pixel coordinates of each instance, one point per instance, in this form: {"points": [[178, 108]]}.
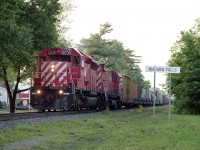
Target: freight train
{"points": [[67, 79]]}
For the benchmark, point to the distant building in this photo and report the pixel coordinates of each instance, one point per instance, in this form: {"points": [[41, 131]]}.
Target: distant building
{"points": [[3, 95], [21, 98]]}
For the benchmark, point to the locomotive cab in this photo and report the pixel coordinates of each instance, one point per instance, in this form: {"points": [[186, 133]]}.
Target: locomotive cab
{"points": [[55, 80]]}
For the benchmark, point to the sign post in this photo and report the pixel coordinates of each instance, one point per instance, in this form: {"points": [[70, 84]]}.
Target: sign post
{"points": [[154, 94], [170, 87], [162, 69]]}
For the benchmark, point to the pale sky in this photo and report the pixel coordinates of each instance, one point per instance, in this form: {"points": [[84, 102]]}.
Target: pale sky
{"points": [[150, 27]]}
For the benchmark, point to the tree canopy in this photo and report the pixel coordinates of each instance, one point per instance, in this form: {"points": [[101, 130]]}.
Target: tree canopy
{"points": [[112, 53], [186, 85], [26, 27]]}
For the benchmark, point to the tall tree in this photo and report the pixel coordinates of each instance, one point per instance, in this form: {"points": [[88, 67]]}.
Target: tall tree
{"points": [[63, 25], [26, 27], [41, 15], [16, 42], [112, 53], [186, 85], [95, 41]]}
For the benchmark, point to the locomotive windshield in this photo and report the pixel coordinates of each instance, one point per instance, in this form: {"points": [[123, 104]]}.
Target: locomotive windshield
{"points": [[94, 65], [65, 58], [42, 58], [76, 61]]}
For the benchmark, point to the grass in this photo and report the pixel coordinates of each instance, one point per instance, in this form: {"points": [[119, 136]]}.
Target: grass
{"points": [[121, 130]]}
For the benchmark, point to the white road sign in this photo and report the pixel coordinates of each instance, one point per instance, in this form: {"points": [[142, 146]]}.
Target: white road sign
{"points": [[162, 69]]}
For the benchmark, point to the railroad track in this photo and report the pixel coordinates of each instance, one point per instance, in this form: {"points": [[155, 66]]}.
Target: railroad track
{"points": [[30, 115]]}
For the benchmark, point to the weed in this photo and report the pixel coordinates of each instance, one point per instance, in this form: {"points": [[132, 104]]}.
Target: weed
{"points": [[106, 111], [140, 109]]}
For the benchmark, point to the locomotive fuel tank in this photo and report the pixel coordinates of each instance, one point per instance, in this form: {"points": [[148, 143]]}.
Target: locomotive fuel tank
{"points": [[89, 102]]}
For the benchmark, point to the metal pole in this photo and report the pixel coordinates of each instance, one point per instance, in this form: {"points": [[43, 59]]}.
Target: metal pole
{"points": [[169, 98], [29, 96], [154, 92]]}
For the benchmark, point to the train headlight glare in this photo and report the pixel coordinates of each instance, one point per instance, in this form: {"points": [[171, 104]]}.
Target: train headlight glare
{"points": [[38, 91], [52, 70], [61, 92]]}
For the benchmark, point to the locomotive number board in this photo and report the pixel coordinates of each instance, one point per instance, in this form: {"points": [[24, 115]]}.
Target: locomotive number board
{"points": [[59, 51]]}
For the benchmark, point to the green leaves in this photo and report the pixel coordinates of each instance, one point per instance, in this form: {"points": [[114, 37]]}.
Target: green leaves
{"points": [[186, 85], [26, 27], [112, 53], [41, 15], [15, 38]]}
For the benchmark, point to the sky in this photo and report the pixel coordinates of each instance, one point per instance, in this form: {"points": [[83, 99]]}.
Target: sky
{"points": [[149, 27]]}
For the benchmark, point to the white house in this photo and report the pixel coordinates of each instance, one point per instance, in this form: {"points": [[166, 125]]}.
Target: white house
{"points": [[3, 95], [21, 97]]}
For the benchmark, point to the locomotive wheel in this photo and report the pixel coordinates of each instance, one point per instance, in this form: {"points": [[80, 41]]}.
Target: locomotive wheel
{"points": [[102, 104], [78, 106], [103, 107]]}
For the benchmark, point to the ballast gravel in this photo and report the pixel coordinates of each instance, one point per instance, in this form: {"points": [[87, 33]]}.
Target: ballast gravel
{"points": [[13, 123]]}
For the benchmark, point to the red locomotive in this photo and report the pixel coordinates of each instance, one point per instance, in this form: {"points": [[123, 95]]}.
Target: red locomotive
{"points": [[68, 79]]}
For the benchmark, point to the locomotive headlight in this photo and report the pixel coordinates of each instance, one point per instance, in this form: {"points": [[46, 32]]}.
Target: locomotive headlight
{"points": [[38, 92], [60, 91], [52, 68]]}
